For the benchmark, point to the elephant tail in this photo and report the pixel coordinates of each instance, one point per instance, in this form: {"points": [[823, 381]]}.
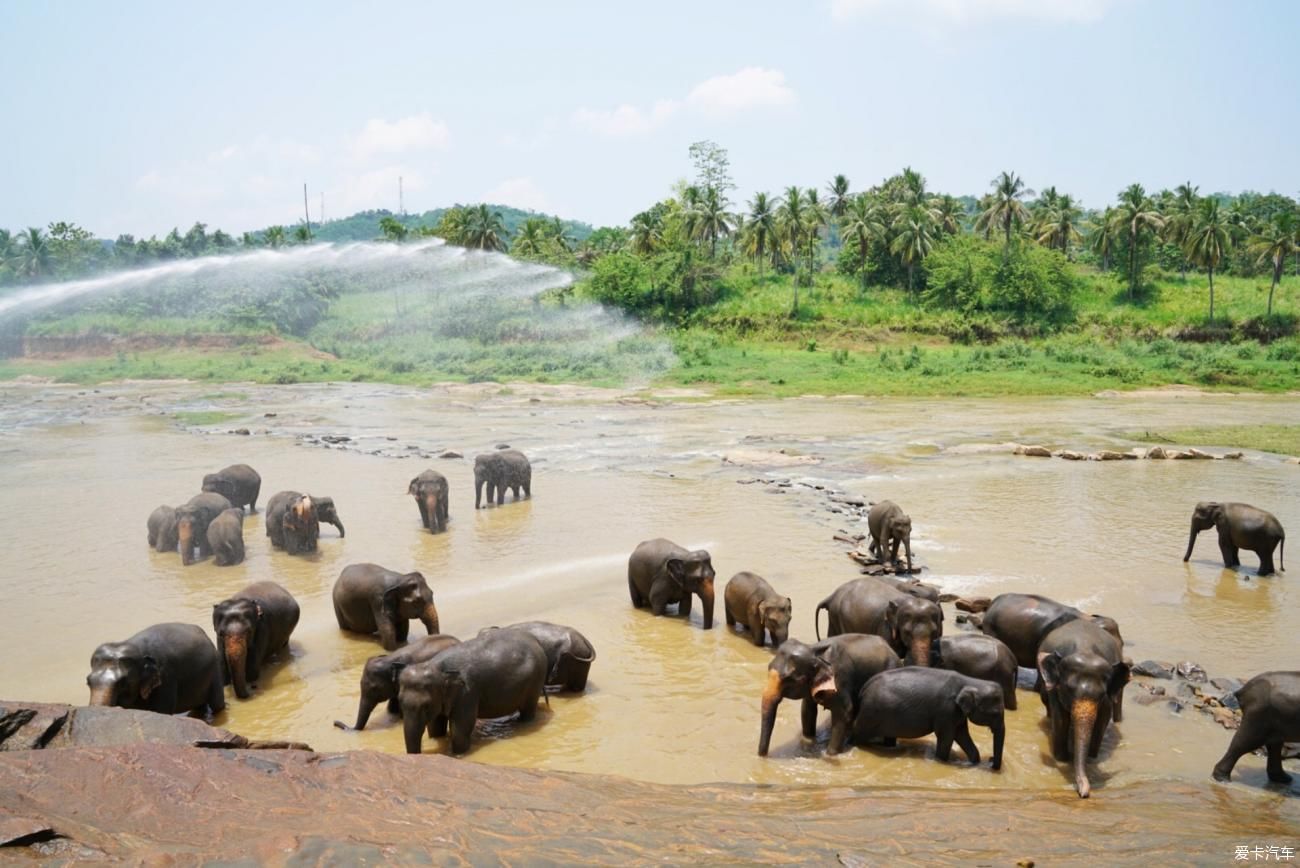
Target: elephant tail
{"points": [[817, 617], [1281, 555]]}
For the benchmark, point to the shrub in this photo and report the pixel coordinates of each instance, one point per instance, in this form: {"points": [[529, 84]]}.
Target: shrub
{"points": [[1027, 283]]}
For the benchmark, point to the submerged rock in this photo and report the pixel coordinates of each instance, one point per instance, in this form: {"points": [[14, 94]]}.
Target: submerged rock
{"points": [[973, 604], [1034, 451], [1154, 669]]}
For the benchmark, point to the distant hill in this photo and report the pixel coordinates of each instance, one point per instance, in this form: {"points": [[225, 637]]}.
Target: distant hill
{"points": [[364, 225]]}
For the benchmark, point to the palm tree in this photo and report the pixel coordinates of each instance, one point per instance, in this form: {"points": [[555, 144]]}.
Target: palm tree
{"points": [[1005, 210], [863, 223], [690, 211], [761, 227], [646, 233], [33, 260], [1273, 243], [1208, 240], [393, 229], [1102, 233], [913, 239], [712, 219], [274, 237], [530, 240], [1059, 223], [302, 235], [948, 213], [1135, 214], [792, 215], [559, 234], [815, 218], [485, 230], [1179, 214], [840, 198], [8, 253]]}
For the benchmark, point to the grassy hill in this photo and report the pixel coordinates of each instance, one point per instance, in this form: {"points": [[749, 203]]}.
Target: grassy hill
{"points": [[364, 225]]}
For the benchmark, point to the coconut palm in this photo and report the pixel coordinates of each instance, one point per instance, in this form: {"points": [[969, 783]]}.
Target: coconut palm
{"points": [[274, 237], [485, 230], [559, 234], [712, 219], [791, 217], [1102, 234], [8, 253], [948, 213], [531, 239], [913, 239], [1005, 210], [863, 224], [840, 198], [1276, 240], [762, 226], [1208, 240], [1135, 214], [1179, 213], [33, 253], [815, 218], [646, 233], [1059, 223]]}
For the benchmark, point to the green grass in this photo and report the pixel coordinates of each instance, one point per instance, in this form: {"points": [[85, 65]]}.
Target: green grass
{"points": [[204, 417], [1282, 439]]}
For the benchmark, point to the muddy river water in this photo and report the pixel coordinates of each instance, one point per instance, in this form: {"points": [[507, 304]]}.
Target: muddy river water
{"points": [[81, 469]]}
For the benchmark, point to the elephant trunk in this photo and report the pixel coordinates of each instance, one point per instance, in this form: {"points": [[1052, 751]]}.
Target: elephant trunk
{"points": [[478, 490], [185, 538], [706, 601], [413, 723], [907, 547], [102, 694], [338, 523], [771, 699], [235, 649], [1191, 543], [999, 739], [431, 509], [920, 651], [363, 712], [429, 618], [1084, 717]]}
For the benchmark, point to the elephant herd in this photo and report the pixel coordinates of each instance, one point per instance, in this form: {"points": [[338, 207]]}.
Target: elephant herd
{"points": [[885, 671]]}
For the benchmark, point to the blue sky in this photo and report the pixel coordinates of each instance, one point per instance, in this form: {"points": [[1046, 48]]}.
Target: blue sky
{"points": [[134, 117]]}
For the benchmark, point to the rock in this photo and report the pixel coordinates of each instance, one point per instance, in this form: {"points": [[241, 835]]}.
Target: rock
{"points": [[503, 445], [1154, 669], [270, 415], [974, 619], [1025, 863], [1197, 453], [1033, 451], [848, 500], [450, 454], [1290, 750], [1156, 452], [1148, 698], [243, 432], [767, 458], [338, 438], [1071, 455], [1225, 718], [1233, 456], [1180, 455], [842, 537], [973, 604], [947, 598], [1111, 455], [1192, 672]]}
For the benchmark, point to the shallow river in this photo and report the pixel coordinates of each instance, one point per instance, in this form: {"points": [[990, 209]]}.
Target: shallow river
{"points": [[81, 469]]}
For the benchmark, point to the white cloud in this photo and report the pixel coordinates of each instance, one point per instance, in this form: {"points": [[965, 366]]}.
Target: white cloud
{"points": [[415, 133], [750, 88], [959, 11], [626, 120], [519, 192]]}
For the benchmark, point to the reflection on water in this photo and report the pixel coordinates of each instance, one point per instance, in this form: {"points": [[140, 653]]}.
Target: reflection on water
{"points": [[666, 701]]}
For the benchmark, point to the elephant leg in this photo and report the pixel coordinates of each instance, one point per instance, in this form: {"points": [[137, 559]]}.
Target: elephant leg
{"points": [[1009, 701], [1244, 740], [658, 601], [438, 726], [501, 493], [962, 734], [462, 727], [387, 634], [839, 731], [638, 602], [1117, 706], [1229, 552], [757, 632], [684, 605], [528, 489], [403, 629], [394, 707], [808, 718], [413, 732], [1060, 722], [424, 513], [1275, 772], [943, 742], [893, 552], [528, 710], [726, 613], [1265, 561]]}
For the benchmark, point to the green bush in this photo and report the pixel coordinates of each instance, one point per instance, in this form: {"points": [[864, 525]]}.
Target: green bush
{"points": [[1025, 282]]}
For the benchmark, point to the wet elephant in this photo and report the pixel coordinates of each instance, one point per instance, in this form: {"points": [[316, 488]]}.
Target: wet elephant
{"points": [[162, 529], [569, 654], [1240, 526], [1082, 675], [192, 522], [328, 513], [251, 627], [1021, 621], [370, 599], [293, 522], [915, 587], [889, 527], [167, 668], [913, 702], [499, 470], [749, 600], [226, 537], [379, 675], [830, 674], [430, 492], [909, 624], [1270, 717], [492, 675], [238, 483], [661, 573], [980, 656]]}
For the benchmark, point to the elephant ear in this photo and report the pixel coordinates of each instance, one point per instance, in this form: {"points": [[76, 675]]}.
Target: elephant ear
{"points": [[150, 677], [216, 616], [891, 620], [412, 488], [967, 700], [1119, 675], [396, 668], [676, 568], [1049, 667]]}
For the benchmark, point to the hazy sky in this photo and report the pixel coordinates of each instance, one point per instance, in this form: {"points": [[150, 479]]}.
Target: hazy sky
{"points": [[135, 117]]}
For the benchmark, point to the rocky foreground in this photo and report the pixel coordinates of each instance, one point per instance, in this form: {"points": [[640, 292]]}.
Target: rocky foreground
{"points": [[106, 784]]}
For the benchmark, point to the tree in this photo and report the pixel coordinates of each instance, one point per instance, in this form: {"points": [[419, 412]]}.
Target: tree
{"points": [[301, 234], [712, 219], [712, 166], [840, 198], [530, 239], [485, 230], [558, 234], [791, 215], [761, 229], [1179, 215], [913, 239], [815, 217], [863, 224], [1136, 214], [33, 254], [1208, 240], [948, 213], [274, 237], [1059, 223], [1273, 243], [647, 232], [1102, 233], [1005, 210], [393, 229]]}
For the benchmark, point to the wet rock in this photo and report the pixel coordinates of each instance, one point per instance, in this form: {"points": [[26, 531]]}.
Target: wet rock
{"points": [[1149, 694], [1154, 669], [1197, 453], [947, 598], [973, 604], [270, 415], [242, 432], [1192, 671], [1071, 455], [450, 454], [1034, 451], [1181, 455], [1231, 685], [1290, 750], [1226, 718], [1184, 690], [848, 500], [1111, 455], [335, 438], [1233, 456], [768, 458], [1156, 452], [503, 445]]}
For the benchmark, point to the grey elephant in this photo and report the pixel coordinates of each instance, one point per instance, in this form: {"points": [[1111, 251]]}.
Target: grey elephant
{"points": [[980, 656], [749, 600], [430, 492], [569, 654], [226, 537], [1270, 716], [251, 627], [238, 483], [192, 522], [370, 599], [379, 675], [499, 470], [167, 668], [909, 624], [162, 529], [661, 573], [889, 527], [1240, 526]]}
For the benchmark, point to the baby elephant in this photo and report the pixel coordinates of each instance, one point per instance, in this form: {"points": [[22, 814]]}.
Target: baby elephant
{"points": [[889, 527], [163, 536], [430, 492], [370, 599], [226, 537], [252, 626], [749, 599], [1270, 716], [1240, 526], [913, 702], [379, 677], [980, 656], [661, 573], [568, 653], [167, 668]]}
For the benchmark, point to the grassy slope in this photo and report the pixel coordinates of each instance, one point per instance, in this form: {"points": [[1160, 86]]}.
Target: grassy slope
{"points": [[1282, 439]]}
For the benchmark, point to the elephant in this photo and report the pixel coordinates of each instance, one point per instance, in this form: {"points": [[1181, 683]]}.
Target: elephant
{"points": [[167, 668], [370, 599], [505, 468], [749, 599], [192, 522], [829, 673], [226, 537], [1021, 621], [913, 702], [661, 573], [293, 522], [915, 587], [162, 529], [1082, 675], [1241, 526], [491, 675], [909, 624], [379, 676], [980, 656], [568, 653], [889, 527], [251, 626], [328, 513], [238, 483], [430, 492], [1270, 716]]}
